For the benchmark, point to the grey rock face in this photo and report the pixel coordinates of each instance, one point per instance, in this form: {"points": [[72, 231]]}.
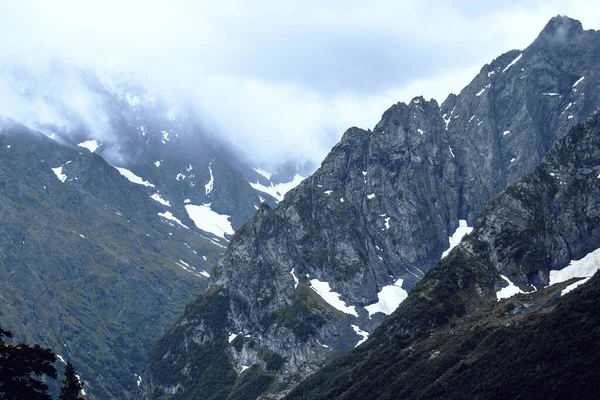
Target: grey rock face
{"points": [[384, 202], [540, 223]]}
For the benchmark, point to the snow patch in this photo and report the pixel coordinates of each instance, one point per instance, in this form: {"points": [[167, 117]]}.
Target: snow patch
{"points": [[208, 220], [578, 81], [156, 197], [387, 223], [508, 291], [133, 177], [457, 236], [505, 133], [157, 163], [209, 186], [232, 336], [91, 145], [451, 152], [371, 196], [585, 267], [482, 90], [389, 298], [360, 332], [513, 62], [169, 216], [420, 131], [204, 273], [328, 192], [295, 278], [278, 191], [332, 298], [58, 172], [165, 136]]}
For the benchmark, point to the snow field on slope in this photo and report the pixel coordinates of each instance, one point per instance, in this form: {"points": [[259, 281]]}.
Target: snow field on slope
{"points": [[390, 297], [331, 297], [508, 291], [208, 220], [585, 267], [91, 145], [133, 177], [457, 236], [279, 190]]}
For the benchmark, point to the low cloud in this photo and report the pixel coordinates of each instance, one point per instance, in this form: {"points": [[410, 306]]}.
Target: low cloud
{"points": [[275, 78]]}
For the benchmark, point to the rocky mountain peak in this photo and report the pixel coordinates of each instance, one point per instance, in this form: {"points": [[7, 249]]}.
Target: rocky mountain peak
{"points": [[560, 30], [311, 278]]}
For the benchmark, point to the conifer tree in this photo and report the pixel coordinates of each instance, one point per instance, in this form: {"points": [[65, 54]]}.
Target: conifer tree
{"points": [[20, 365], [71, 385]]}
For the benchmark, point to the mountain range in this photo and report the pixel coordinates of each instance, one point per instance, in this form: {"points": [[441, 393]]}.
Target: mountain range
{"points": [[165, 264], [310, 280], [113, 219]]}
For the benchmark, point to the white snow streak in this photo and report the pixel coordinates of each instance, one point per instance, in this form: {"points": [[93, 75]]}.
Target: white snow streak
{"points": [[360, 332], [513, 62], [156, 197], [209, 186], [457, 236], [332, 298], [482, 90], [295, 278], [133, 177], [586, 267], [170, 216], [578, 81]]}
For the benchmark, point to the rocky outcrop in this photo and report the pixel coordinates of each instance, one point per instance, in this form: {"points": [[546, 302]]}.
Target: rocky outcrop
{"points": [[367, 225], [452, 338]]}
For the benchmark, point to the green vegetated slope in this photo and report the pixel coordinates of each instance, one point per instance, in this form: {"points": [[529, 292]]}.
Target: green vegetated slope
{"points": [[452, 339], [88, 267]]}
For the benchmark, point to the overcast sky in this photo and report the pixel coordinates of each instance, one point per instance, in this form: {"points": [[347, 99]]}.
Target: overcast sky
{"points": [[280, 78]]}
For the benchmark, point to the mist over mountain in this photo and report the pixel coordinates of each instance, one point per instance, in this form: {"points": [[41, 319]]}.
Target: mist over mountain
{"points": [[186, 214]]}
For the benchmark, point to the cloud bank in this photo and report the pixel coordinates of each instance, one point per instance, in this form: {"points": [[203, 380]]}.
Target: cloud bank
{"points": [[277, 79]]}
